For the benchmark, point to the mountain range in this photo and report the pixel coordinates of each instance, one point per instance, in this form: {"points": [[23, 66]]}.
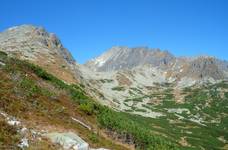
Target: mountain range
{"points": [[140, 81]]}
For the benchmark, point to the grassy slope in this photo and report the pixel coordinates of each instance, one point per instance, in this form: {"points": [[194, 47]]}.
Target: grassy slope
{"points": [[29, 93], [8, 135], [40, 100]]}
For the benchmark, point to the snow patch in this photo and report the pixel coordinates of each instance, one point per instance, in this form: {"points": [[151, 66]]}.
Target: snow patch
{"points": [[100, 62]]}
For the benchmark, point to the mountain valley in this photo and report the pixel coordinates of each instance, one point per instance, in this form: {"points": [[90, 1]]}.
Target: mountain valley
{"points": [[127, 98]]}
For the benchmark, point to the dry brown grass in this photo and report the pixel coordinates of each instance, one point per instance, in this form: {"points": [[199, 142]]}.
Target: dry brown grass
{"points": [[41, 111]]}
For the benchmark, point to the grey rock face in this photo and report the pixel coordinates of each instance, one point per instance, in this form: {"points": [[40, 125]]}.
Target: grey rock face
{"points": [[222, 64], [204, 67], [122, 58], [118, 58], [42, 48], [37, 45], [31, 39]]}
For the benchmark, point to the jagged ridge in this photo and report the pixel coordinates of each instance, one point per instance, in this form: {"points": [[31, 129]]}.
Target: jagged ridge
{"points": [[45, 49]]}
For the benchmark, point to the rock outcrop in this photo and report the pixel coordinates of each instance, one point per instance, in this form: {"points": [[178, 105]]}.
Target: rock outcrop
{"points": [[119, 58], [124, 58], [42, 48]]}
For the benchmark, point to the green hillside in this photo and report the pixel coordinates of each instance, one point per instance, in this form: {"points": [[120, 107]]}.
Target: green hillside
{"points": [[39, 99]]}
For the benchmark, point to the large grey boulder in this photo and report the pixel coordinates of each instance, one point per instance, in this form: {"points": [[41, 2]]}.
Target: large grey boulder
{"points": [[69, 141]]}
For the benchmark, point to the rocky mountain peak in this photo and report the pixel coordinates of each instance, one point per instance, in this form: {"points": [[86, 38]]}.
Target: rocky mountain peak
{"points": [[45, 49], [41, 47], [118, 58], [32, 40]]}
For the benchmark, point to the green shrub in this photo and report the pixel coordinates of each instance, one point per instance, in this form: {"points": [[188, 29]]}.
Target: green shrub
{"points": [[88, 108], [93, 137], [32, 89], [3, 54], [118, 88], [106, 80], [141, 110], [141, 134], [226, 95], [75, 90], [41, 73]]}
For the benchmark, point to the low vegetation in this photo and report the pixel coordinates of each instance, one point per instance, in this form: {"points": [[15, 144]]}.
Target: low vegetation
{"points": [[132, 130], [8, 136], [41, 97], [30, 93], [118, 88]]}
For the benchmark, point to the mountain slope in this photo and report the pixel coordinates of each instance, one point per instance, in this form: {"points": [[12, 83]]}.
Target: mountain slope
{"points": [[122, 73], [38, 105], [43, 104], [155, 100], [42, 48]]}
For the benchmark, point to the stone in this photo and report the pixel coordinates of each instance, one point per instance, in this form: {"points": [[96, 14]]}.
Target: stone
{"points": [[68, 140]]}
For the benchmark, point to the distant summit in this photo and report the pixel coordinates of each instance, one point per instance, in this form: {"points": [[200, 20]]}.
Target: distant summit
{"points": [[122, 58], [45, 49], [118, 58]]}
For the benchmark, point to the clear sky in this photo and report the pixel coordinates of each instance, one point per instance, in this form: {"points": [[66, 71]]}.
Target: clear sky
{"points": [[89, 27]]}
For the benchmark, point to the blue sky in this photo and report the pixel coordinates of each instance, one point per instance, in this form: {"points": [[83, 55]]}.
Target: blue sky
{"points": [[89, 27]]}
